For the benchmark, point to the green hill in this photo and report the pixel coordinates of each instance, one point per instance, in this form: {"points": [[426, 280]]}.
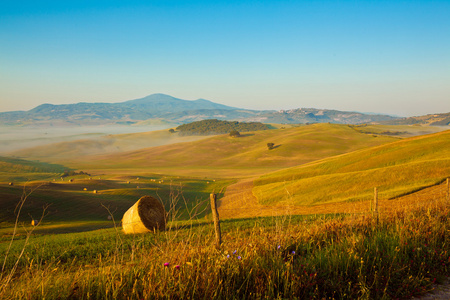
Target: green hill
{"points": [[15, 165], [75, 201], [396, 168]]}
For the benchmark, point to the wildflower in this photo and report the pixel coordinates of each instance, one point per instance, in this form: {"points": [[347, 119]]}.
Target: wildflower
{"points": [[166, 264], [279, 246], [235, 251], [293, 252], [228, 256], [239, 257], [177, 267]]}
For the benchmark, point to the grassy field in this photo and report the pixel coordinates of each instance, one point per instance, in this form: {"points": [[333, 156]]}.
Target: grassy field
{"points": [[296, 220], [307, 257], [76, 201], [396, 169]]}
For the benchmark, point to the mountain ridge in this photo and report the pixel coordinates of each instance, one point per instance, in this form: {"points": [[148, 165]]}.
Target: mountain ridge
{"points": [[173, 111]]}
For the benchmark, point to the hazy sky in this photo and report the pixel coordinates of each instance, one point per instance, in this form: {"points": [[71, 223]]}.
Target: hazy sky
{"points": [[369, 56]]}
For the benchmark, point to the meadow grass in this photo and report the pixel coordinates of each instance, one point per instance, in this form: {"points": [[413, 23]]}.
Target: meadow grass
{"points": [[395, 168], [341, 256], [69, 202]]}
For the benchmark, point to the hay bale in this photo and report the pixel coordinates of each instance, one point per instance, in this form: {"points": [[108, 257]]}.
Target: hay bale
{"points": [[34, 222], [146, 215], [95, 191], [11, 183]]}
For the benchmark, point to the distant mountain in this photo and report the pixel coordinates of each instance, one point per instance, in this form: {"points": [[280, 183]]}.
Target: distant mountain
{"points": [[431, 119], [169, 110], [313, 115], [150, 107]]}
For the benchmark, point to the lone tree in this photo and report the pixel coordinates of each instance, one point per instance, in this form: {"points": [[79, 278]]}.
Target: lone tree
{"points": [[171, 130], [270, 145], [235, 133]]}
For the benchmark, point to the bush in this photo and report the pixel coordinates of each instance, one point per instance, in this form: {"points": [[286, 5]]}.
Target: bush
{"points": [[235, 133]]}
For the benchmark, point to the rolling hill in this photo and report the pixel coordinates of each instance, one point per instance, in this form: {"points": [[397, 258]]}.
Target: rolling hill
{"points": [[78, 149], [431, 119], [12, 169], [225, 156], [395, 168], [314, 115]]}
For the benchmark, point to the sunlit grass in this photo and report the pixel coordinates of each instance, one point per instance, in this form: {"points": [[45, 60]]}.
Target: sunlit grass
{"points": [[341, 256], [396, 169]]}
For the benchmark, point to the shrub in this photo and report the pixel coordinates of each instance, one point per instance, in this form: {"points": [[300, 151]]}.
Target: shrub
{"points": [[234, 133]]}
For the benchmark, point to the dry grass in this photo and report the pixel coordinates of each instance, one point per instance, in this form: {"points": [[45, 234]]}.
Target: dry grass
{"points": [[395, 168], [352, 257]]}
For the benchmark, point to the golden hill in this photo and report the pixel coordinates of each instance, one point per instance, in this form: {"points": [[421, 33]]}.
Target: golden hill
{"points": [[74, 150], [396, 168], [225, 156]]}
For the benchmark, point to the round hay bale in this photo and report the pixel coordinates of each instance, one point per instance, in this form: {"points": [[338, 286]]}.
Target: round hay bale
{"points": [[11, 183], [34, 222], [95, 191], [146, 215]]}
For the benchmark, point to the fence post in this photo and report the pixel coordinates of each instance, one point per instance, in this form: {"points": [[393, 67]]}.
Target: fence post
{"points": [[375, 202], [215, 215], [448, 191]]}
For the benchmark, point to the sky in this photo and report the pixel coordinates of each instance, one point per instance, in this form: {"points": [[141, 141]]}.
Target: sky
{"points": [[389, 57]]}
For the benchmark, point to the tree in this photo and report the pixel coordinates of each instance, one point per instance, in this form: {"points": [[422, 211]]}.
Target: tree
{"points": [[235, 133], [270, 145], [171, 130]]}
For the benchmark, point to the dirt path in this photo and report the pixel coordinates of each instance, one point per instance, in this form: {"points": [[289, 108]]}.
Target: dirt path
{"points": [[440, 292]]}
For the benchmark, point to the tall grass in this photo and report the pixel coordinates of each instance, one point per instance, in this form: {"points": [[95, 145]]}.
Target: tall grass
{"points": [[341, 257]]}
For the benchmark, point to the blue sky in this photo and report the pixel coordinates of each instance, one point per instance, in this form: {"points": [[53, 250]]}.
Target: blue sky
{"points": [[370, 56]]}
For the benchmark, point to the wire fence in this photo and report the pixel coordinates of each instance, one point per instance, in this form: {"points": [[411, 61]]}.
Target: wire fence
{"points": [[241, 205]]}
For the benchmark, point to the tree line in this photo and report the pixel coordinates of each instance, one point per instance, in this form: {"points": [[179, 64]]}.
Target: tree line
{"points": [[214, 126]]}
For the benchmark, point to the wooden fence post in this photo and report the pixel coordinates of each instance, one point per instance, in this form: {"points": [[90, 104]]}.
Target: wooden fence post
{"points": [[448, 191], [215, 215], [375, 202]]}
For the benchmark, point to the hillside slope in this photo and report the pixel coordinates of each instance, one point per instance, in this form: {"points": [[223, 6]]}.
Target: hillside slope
{"points": [[431, 119], [396, 168], [78, 149], [12, 169], [224, 156]]}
